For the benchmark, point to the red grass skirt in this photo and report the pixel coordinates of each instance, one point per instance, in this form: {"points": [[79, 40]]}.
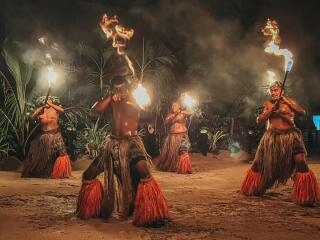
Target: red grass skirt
{"points": [[306, 190], [150, 205], [90, 199], [62, 167], [250, 184], [184, 165]]}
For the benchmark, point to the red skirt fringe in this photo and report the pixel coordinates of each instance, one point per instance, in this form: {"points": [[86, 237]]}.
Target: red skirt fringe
{"points": [[62, 167], [150, 205], [185, 165], [250, 184], [306, 190], [90, 199]]}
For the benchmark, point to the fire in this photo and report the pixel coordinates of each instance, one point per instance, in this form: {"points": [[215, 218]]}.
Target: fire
{"points": [[271, 77], [52, 75], [271, 29], [141, 96], [188, 101], [119, 35]]}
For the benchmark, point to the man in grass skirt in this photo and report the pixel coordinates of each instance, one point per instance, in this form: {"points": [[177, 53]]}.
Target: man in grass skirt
{"points": [[281, 152], [129, 188], [47, 156]]}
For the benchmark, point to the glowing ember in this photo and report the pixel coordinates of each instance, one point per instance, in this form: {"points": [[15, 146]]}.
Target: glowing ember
{"points": [[188, 101], [52, 76], [271, 29], [141, 96], [42, 40], [119, 35]]}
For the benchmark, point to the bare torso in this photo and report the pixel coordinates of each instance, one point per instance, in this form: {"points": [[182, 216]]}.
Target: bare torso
{"points": [[178, 122], [49, 119], [126, 117], [281, 118]]}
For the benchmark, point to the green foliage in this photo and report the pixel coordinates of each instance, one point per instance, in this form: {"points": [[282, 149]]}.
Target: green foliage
{"points": [[91, 138], [213, 137], [15, 110]]}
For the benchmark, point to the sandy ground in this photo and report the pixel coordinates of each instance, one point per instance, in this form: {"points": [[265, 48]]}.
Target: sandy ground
{"points": [[204, 205]]}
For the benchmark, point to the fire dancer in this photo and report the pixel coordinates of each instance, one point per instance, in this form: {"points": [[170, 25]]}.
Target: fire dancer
{"points": [[174, 156], [281, 151], [47, 156], [129, 186]]}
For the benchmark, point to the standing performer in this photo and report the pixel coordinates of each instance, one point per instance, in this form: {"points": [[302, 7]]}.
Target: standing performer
{"points": [[174, 156], [47, 156], [281, 151], [129, 186]]}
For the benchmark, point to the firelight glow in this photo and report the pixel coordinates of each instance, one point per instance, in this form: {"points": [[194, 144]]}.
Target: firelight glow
{"points": [[141, 96], [52, 75], [188, 101]]}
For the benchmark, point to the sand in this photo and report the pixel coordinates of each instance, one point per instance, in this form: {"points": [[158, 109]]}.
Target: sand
{"points": [[203, 205]]}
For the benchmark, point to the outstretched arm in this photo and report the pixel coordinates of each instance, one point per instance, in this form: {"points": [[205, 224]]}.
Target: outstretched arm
{"points": [[294, 106]]}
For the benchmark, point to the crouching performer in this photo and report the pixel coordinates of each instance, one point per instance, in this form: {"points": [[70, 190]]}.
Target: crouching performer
{"points": [[129, 187], [281, 152], [47, 156]]}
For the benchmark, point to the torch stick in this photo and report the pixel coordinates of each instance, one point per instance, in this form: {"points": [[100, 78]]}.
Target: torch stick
{"points": [[283, 83], [47, 96], [289, 66]]}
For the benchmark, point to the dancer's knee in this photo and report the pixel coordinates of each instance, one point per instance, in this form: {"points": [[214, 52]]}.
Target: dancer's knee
{"points": [[142, 168], [300, 161]]}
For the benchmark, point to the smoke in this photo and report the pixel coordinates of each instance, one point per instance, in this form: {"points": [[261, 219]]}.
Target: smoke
{"points": [[221, 59], [224, 58]]}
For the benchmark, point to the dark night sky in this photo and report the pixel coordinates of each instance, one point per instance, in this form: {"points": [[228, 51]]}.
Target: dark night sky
{"points": [[76, 21]]}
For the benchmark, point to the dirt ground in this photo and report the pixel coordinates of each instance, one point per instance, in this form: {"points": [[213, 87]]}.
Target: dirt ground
{"points": [[204, 205]]}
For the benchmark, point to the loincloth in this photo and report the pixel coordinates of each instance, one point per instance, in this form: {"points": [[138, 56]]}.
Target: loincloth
{"points": [[119, 156]]}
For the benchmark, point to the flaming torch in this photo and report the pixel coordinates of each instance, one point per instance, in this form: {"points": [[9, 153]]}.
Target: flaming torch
{"points": [[52, 77], [272, 31], [189, 102], [120, 35], [141, 96]]}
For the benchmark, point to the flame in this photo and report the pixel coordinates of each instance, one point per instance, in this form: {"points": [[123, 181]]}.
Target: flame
{"points": [[271, 77], [119, 35], [271, 29], [188, 101], [52, 75], [141, 96]]}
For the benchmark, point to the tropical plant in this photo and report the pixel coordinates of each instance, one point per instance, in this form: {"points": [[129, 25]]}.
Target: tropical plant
{"points": [[154, 65], [100, 66], [213, 137], [91, 138], [4, 146], [15, 110]]}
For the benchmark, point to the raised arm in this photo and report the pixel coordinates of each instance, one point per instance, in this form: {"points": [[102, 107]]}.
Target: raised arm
{"points": [[294, 106], [169, 118], [36, 113], [101, 106], [56, 107], [187, 113], [264, 116]]}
